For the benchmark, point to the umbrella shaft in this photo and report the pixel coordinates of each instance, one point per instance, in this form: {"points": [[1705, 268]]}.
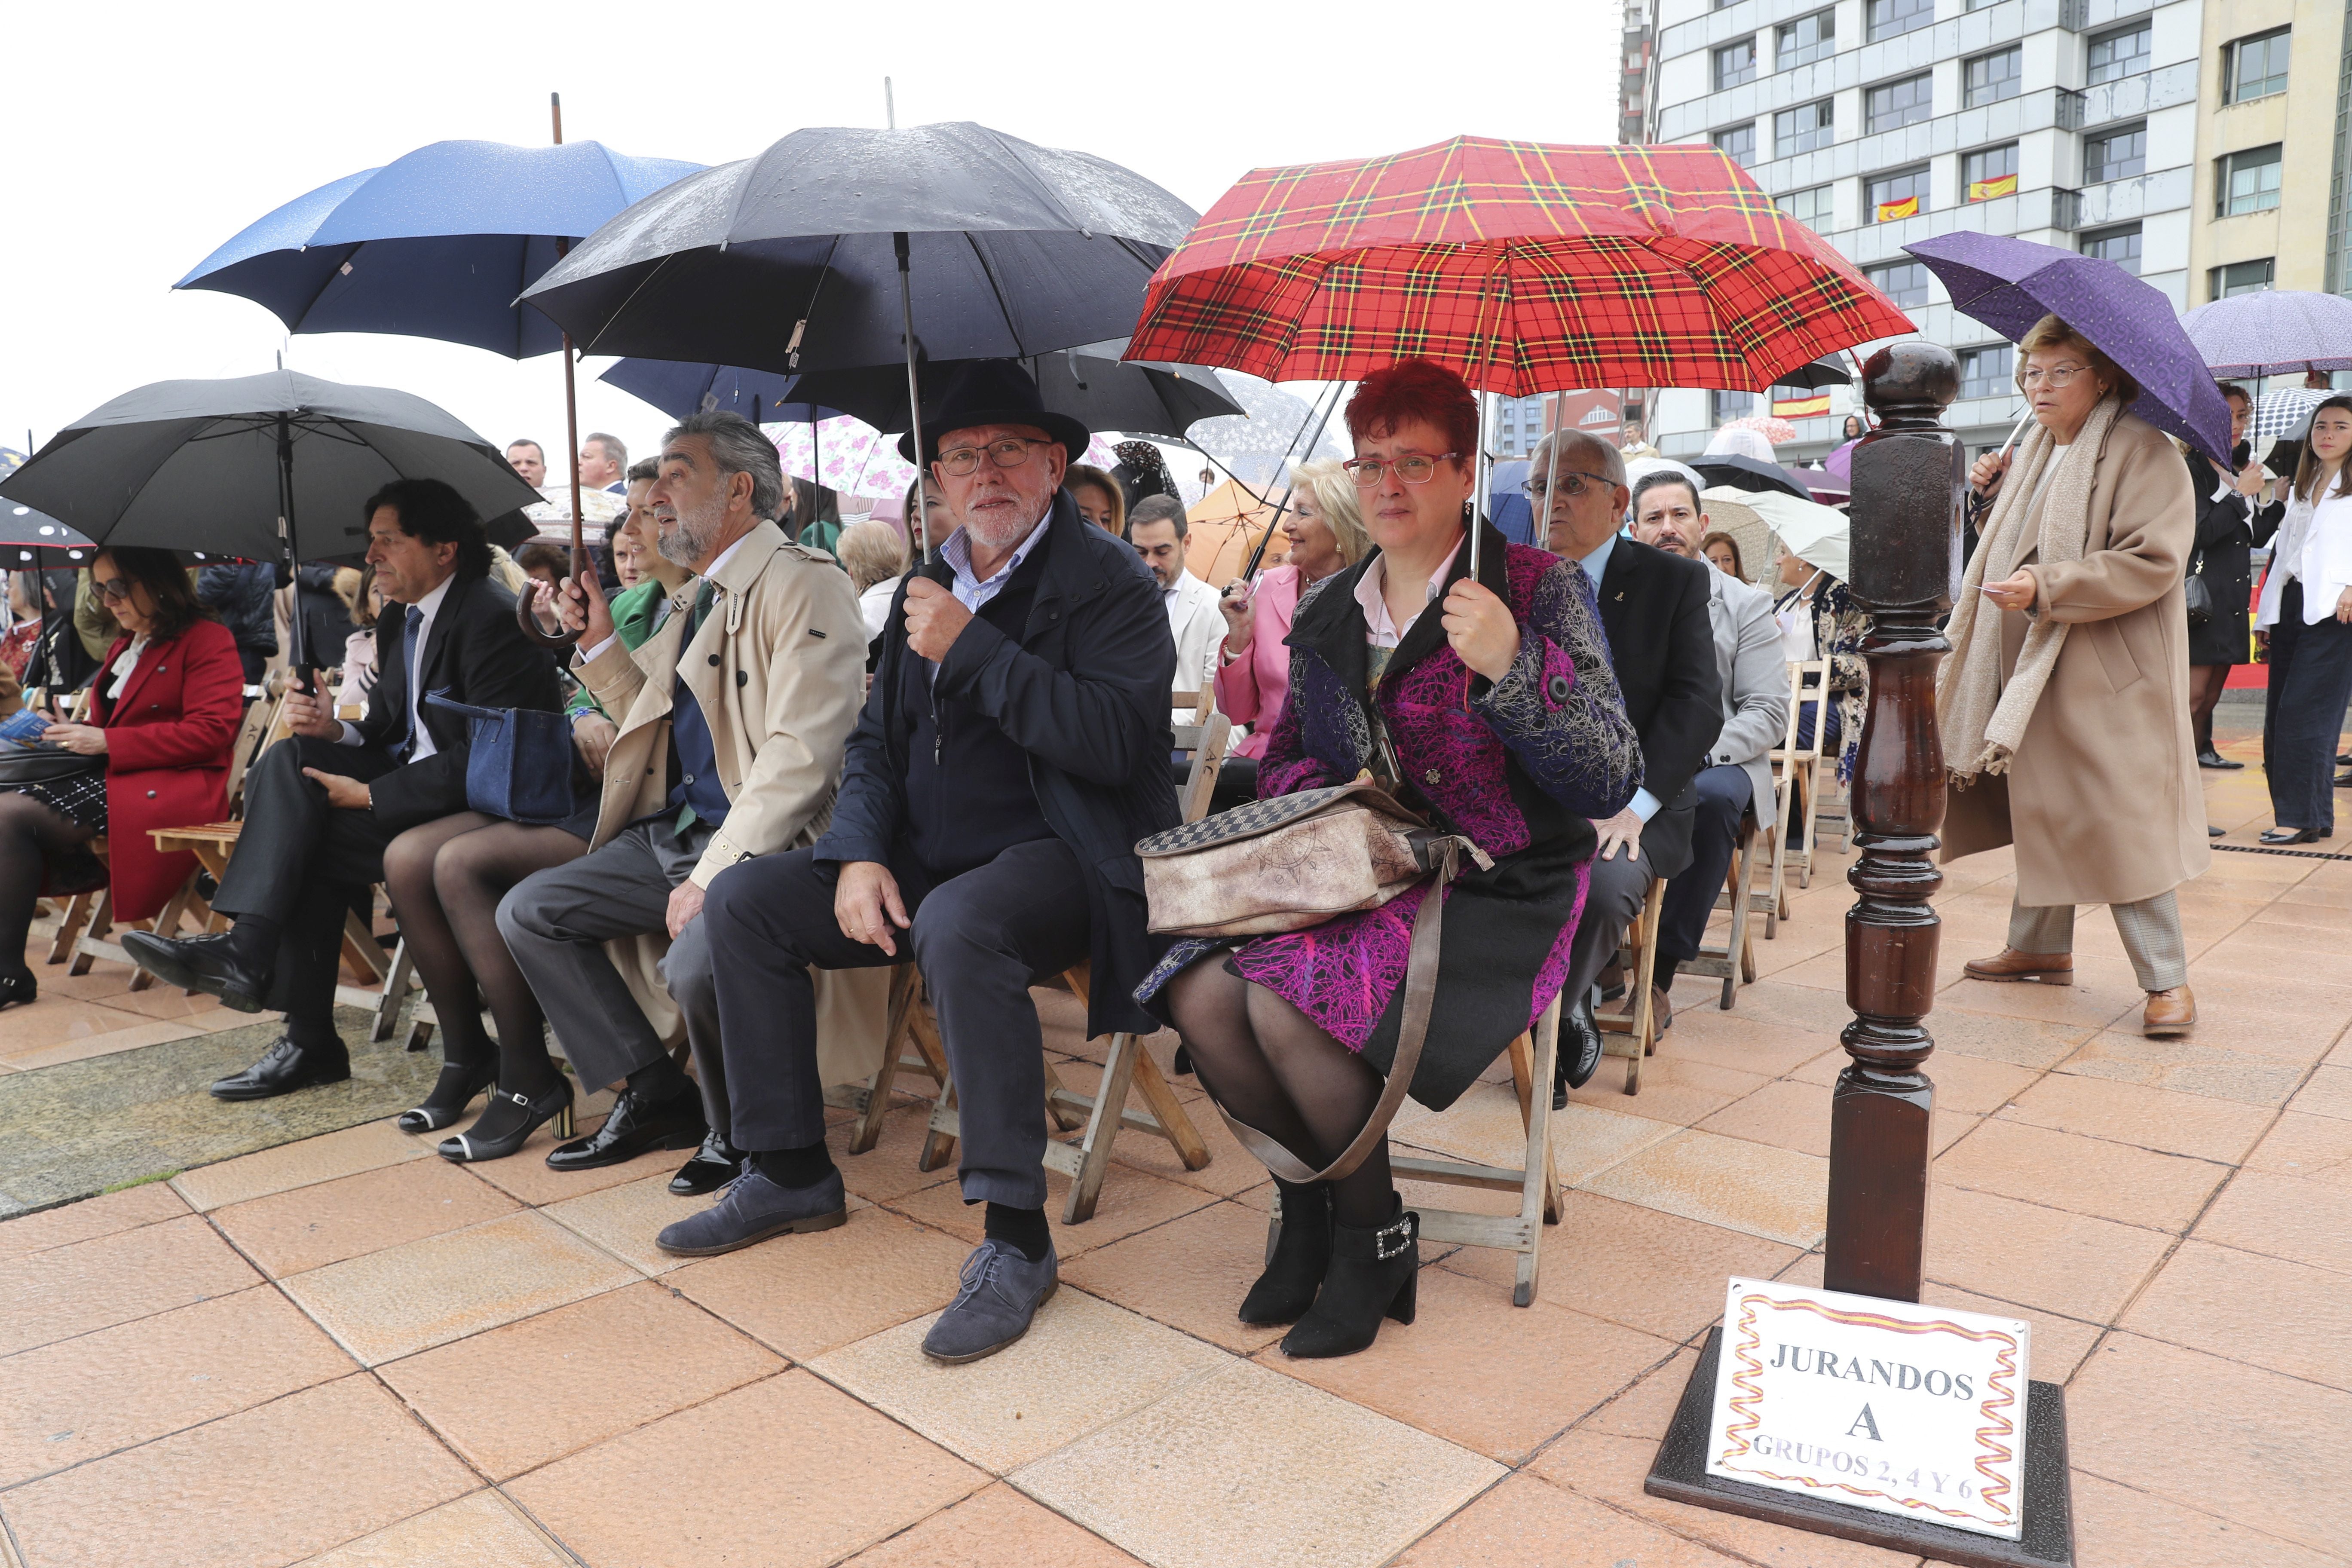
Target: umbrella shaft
{"points": [[914, 404]]}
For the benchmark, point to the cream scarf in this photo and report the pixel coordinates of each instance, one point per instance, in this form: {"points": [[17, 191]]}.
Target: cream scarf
{"points": [[1982, 719]]}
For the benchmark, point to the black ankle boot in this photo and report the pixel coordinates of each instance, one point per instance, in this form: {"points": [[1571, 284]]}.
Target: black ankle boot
{"points": [[1302, 1254], [1373, 1273]]}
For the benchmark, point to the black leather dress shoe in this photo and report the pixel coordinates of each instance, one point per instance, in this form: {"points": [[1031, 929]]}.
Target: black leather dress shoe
{"points": [[204, 964], [1579, 1052], [632, 1128], [284, 1068], [2288, 836], [715, 1164], [2210, 758], [2213, 832]]}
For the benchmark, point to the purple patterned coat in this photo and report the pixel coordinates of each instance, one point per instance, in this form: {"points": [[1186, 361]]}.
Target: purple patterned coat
{"points": [[1521, 766]]}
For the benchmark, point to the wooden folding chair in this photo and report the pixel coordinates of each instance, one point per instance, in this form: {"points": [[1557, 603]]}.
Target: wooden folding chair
{"points": [[1734, 962], [1634, 1016], [1796, 771]]}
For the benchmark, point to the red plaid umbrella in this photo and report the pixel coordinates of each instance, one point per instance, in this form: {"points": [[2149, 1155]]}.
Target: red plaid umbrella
{"points": [[1526, 268]]}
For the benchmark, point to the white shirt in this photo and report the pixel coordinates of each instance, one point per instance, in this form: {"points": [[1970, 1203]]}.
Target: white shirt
{"points": [[1373, 597], [2325, 569], [421, 743], [124, 666]]}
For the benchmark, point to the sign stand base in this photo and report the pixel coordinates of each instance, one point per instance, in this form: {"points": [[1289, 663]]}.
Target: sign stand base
{"points": [[1680, 1475]]}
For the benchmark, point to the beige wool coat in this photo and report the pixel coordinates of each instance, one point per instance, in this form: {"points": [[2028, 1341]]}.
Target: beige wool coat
{"points": [[778, 667], [2103, 799]]}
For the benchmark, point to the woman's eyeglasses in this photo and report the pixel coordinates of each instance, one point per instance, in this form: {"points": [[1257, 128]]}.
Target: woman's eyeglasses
{"points": [[113, 590], [2054, 378], [1412, 469]]}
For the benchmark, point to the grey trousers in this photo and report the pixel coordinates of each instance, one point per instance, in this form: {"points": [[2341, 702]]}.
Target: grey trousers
{"points": [[556, 923], [2150, 930], [1611, 901]]}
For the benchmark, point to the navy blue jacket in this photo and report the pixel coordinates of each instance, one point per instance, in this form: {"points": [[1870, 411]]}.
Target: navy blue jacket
{"points": [[1084, 690]]}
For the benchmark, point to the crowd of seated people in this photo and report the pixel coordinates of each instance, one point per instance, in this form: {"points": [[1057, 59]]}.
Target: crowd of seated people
{"points": [[761, 829]]}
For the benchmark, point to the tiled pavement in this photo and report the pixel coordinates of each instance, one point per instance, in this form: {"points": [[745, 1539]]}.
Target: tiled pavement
{"points": [[346, 1353]]}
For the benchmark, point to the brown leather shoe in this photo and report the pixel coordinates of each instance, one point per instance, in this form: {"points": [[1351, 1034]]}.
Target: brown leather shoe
{"points": [[1663, 1012], [2169, 1012], [2014, 965]]}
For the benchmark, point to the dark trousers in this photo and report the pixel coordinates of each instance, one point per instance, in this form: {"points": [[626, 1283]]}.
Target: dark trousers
{"points": [[1611, 901], [982, 938], [2302, 721], [302, 863], [1722, 798]]}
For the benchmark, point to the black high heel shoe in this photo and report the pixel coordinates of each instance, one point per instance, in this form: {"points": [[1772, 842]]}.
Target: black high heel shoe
{"points": [[20, 986], [508, 1123], [1374, 1274], [451, 1094]]}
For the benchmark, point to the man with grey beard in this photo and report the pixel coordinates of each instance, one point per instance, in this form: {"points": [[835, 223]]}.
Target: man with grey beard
{"points": [[1013, 751], [736, 714]]}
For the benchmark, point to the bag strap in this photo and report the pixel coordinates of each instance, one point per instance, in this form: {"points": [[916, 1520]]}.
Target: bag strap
{"points": [[442, 699], [1413, 1032]]}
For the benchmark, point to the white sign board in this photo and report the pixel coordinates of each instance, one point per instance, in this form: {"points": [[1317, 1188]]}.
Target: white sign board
{"points": [[1910, 1410]]}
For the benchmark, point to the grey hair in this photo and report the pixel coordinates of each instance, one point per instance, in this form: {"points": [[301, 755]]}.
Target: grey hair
{"points": [[738, 448], [616, 451], [1579, 447]]}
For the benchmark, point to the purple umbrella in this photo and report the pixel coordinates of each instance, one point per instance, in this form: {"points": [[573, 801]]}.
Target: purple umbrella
{"points": [[2271, 331], [2010, 284]]}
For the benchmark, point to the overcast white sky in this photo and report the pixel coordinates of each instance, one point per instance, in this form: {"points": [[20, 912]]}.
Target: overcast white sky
{"points": [[137, 137]]}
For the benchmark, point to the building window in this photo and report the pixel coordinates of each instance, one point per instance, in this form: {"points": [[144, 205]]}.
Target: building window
{"points": [[1898, 103], [1991, 77], [1890, 197], [1805, 40], [1723, 406], [1890, 18], [2256, 67], [1991, 172], [2248, 182], [2116, 55], [2240, 278], [1803, 128], [2114, 155], [1988, 372], [2120, 246], [1810, 206], [1735, 64], [1739, 140], [1904, 282]]}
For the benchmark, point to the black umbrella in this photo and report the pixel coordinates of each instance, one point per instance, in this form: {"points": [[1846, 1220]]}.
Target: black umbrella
{"points": [[843, 248], [1748, 474], [266, 466], [1830, 371], [1091, 384]]}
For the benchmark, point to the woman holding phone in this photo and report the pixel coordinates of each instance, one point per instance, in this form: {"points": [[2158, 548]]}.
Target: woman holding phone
{"points": [[2065, 702]]}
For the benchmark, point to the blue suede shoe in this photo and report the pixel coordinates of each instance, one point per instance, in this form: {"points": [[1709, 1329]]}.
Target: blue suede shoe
{"points": [[999, 1293], [754, 1208]]}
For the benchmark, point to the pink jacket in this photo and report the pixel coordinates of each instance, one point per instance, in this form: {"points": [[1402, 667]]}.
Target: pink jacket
{"points": [[1251, 690]]}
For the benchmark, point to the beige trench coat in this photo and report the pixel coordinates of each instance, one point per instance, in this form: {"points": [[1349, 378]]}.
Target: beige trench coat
{"points": [[2103, 799], [778, 667]]}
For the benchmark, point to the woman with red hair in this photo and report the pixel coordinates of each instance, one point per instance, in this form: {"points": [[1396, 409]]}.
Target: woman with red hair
{"points": [[1488, 706]]}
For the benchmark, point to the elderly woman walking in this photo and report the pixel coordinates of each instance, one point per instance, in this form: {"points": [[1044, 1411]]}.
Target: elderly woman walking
{"points": [[1490, 706], [2065, 703]]}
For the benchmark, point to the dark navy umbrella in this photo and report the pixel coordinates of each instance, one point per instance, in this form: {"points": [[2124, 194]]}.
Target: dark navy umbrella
{"points": [[2010, 284], [762, 396]]}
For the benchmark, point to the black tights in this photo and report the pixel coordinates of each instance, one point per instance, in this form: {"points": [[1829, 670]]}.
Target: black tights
{"points": [[445, 879], [2206, 682], [30, 834], [1267, 1063]]}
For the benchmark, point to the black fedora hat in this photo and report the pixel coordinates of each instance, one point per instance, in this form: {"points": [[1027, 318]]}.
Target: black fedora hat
{"points": [[993, 392]]}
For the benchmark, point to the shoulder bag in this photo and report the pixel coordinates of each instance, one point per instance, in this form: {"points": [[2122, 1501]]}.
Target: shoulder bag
{"points": [[518, 762], [2196, 594]]}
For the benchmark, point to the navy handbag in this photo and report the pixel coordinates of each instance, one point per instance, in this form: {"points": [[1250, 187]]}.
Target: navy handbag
{"points": [[518, 762]]}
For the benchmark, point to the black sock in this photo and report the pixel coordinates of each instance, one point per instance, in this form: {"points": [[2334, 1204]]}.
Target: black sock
{"points": [[1661, 973], [254, 940], [659, 1082], [794, 1167], [1023, 1230]]}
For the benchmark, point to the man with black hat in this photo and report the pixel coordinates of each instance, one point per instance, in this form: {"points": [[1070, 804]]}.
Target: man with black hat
{"points": [[1012, 750]]}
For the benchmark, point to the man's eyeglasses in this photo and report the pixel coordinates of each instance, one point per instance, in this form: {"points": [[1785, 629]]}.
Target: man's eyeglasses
{"points": [[2057, 377], [1009, 453], [1572, 484], [113, 590], [1412, 469]]}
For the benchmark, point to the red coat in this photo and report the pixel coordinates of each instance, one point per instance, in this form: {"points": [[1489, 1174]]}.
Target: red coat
{"points": [[168, 741]]}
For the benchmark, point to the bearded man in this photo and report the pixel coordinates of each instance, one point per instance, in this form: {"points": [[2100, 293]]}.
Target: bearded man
{"points": [[1013, 748], [736, 713]]}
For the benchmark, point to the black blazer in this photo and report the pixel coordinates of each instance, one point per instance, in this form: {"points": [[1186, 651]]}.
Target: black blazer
{"points": [[1661, 645], [1084, 690], [476, 653]]}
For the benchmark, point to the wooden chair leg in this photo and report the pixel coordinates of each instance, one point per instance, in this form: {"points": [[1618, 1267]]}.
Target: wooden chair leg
{"points": [[938, 1148], [1539, 1190], [1169, 1113], [396, 982], [906, 987], [1524, 1078], [102, 921], [1102, 1128]]}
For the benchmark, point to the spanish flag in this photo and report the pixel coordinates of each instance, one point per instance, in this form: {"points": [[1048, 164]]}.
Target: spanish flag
{"points": [[1907, 207], [1985, 190], [1805, 405]]}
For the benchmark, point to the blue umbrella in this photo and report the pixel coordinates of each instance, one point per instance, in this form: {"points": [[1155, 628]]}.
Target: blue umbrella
{"points": [[2010, 284]]}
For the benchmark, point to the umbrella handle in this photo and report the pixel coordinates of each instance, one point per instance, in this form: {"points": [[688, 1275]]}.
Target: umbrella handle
{"points": [[581, 565]]}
